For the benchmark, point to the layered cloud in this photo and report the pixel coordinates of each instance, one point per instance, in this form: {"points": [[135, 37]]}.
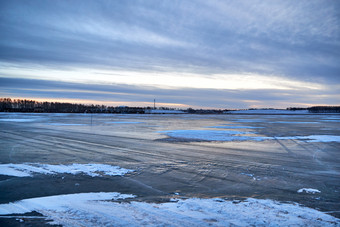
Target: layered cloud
{"points": [[122, 94], [230, 48]]}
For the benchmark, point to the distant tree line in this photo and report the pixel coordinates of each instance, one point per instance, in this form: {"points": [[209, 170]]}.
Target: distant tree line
{"points": [[32, 106], [296, 108], [318, 109], [324, 109], [24, 105]]}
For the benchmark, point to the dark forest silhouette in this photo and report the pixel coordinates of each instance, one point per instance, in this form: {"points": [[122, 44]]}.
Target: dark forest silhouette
{"points": [[31, 106]]}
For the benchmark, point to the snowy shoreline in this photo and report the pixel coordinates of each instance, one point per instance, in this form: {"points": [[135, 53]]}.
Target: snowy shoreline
{"points": [[99, 209]]}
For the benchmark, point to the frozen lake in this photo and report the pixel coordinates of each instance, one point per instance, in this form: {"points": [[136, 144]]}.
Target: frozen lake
{"points": [[195, 169]]}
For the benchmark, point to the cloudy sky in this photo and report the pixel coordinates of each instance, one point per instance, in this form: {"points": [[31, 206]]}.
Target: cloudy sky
{"points": [[201, 54]]}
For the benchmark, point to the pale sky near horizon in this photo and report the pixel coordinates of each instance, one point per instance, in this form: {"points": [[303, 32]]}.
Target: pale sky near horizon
{"points": [[201, 54]]}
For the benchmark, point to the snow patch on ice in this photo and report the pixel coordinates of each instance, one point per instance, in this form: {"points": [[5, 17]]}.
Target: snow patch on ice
{"points": [[28, 169], [309, 190], [228, 135], [95, 209], [251, 175], [58, 202], [208, 135]]}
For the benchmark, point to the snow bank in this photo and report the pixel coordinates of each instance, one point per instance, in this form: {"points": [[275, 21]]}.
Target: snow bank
{"points": [[94, 170], [309, 190], [95, 209]]}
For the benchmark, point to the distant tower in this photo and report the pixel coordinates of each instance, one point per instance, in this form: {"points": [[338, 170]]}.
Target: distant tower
{"points": [[154, 103]]}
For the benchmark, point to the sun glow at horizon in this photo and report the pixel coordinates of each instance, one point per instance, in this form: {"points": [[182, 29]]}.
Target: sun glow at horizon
{"points": [[164, 80]]}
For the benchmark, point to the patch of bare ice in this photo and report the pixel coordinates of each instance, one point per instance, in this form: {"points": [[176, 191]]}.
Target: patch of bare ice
{"points": [[295, 122], [314, 138], [269, 111], [207, 135], [249, 120], [63, 124], [234, 127], [124, 122], [229, 135], [16, 120]]}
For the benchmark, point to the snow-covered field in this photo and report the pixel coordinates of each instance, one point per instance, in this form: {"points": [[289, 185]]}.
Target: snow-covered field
{"points": [[170, 170]]}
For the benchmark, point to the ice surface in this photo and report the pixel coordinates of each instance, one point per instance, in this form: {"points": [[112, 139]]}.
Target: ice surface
{"points": [[27, 169], [249, 120], [165, 111], [314, 138], [251, 175], [332, 120], [295, 122], [62, 124], [234, 126], [124, 122], [208, 135], [100, 209], [268, 111], [17, 120], [309, 190], [227, 135]]}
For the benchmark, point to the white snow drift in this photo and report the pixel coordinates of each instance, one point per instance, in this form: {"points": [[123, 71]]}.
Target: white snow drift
{"points": [[102, 209], [28, 169], [308, 190]]}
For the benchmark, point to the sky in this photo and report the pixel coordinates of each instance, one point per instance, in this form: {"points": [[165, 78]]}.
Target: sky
{"points": [[226, 54]]}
